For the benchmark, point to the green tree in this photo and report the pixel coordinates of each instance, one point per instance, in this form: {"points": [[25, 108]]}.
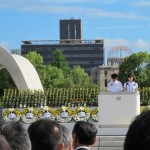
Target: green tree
{"points": [[79, 76], [54, 77], [67, 83], [137, 63], [37, 61], [6, 80], [59, 61], [35, 58]]}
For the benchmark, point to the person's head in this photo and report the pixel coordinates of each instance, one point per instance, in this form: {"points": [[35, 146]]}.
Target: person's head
{"points": [[45, 134], [138, 135], [84, 134], [16, 135], [67, 138], [131, 77], [114, 77], [4, 145]]}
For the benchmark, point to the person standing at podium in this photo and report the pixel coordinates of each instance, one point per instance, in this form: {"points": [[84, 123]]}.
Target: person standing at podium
{"points": [[131, 85], [114, 85]]}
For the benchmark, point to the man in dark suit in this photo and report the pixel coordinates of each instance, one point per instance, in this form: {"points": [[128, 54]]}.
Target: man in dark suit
{"points": [[84, 135]]}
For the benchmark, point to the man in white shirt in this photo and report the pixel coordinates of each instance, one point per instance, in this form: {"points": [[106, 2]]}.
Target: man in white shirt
{"points": [[114, 85]]}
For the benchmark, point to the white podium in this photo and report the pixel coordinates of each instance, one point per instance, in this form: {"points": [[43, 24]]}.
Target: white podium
{"points": [[118, 109]]}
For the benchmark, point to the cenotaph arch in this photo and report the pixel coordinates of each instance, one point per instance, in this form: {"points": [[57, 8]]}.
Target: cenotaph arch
{"points": [[21, 70]]}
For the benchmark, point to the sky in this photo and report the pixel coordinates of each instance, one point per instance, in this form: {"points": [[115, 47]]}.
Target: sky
{"points": [[118, 22]]}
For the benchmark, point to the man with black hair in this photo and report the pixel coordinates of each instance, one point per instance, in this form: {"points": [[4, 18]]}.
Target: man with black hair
{"points": [[138, 135], [46, 134], [84, 135], [114, 85]]}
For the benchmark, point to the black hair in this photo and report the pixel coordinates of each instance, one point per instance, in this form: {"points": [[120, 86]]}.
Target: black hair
{"points": [[45, 134], [131, 75], [138, 135], [85, 132], [114, 76]]}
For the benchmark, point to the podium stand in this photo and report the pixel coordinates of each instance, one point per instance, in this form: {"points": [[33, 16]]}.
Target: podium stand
{"points": [[118, 109]]}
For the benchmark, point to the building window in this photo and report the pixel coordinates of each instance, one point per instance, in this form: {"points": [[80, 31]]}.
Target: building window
{"points": [[105, 82], [96, 73], [105, 72]]}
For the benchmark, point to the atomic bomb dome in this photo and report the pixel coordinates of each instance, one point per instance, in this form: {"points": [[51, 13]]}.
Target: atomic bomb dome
{"points": [[117, 54]]}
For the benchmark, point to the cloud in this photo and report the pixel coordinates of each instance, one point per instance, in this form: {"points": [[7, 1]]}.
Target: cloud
{"points": [[135, 46], [120, 27], [111, 14], [16, 3], [110, 43], [83, 11], [80, 1], [56, 6], [141, 3], [142, 45]]}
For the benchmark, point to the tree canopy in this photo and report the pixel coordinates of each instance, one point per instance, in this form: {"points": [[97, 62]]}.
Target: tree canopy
{"points": [[37, 61], [59, 61], [58, 73], [35, 58], [79, 76], [139, 64], [54, 76]]}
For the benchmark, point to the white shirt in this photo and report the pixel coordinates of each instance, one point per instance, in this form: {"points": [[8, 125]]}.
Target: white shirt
{"points": [[114, 86], [130, 86]]}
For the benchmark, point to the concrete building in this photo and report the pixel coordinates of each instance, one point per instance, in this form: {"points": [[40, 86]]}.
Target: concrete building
{"points": [[70, 29], [86, 53], [101, 75]]}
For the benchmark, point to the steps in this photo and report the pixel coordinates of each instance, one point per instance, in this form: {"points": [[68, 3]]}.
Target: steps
{"points": [[109, 143]]}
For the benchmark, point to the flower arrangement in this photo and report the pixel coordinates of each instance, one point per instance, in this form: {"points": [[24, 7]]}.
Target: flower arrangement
{"points": [[46, 112], [94, 114], [81, 113], [29, 115], [11, 114], [64, 114]]}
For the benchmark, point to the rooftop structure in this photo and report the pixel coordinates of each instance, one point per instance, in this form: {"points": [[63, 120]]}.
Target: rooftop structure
{"points": [[70, 29]]}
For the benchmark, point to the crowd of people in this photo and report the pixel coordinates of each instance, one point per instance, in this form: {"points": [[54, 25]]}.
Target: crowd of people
{"points": [[116, 86], [46, 134]]}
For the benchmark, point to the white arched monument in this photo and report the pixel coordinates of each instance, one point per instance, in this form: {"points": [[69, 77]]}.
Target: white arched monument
{"points": [[21, 70]]}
